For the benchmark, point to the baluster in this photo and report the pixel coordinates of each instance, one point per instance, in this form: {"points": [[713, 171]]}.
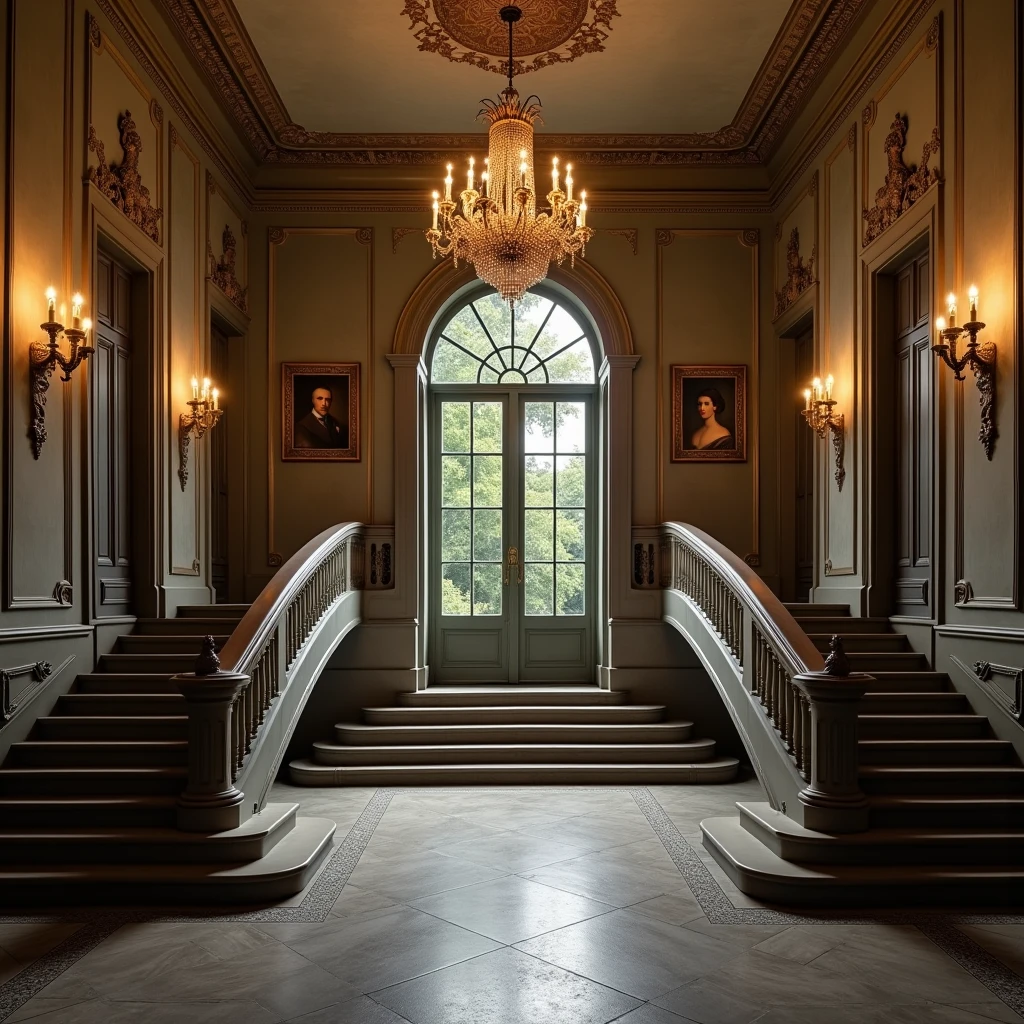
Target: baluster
{"points": [[805, 736], [237, 738], [783, 702]]}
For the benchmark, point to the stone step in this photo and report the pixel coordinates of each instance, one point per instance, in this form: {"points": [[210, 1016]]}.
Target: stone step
{"points": [[212, 611], [308, 773], [98, 753], [507, 696], [183, 644], [192, 626], [760, 873], [945, 811], [154, 781], [861, 643], [956, 845], [89, 811], [114, 682], [919, 727], [549, 714], [511, 753], [111, 727], [902, 703], [806, 610], [844, 624], [934, 751], [93, 704], [947, 779], [284, 871], [897, 661], [490, 733], [97, 844], [144, 664], [906, 682]]}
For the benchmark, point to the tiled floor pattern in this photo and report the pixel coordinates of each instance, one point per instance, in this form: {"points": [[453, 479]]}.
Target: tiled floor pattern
{"points": [[532, 905]]}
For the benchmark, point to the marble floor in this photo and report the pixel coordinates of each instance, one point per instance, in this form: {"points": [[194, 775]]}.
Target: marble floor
{"points": [[513, 906]]}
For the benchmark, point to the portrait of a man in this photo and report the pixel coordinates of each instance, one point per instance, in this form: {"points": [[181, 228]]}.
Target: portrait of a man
{"points": [[709, 413], [320, 411]]}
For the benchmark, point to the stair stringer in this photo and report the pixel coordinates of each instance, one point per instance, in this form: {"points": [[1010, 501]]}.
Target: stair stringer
{"points": [[264, 759], [774, 766]]}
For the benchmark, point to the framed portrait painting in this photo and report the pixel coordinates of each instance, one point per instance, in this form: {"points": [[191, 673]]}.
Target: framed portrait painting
{"points": [[320, 412], [709, 413]]}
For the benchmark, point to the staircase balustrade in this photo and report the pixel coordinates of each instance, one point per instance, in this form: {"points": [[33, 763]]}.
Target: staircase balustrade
{"points": [[796, 716], [272, 660]]}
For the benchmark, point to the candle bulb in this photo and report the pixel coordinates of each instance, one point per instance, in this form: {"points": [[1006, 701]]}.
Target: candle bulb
{"points": [[472, 163], [483, 181], [554, 174], [206, 388], [86, 326], [951, 303], [76, 311], [436, 209], [195, 390], [568, 182], [816, 384], [51, 305], [448, 186], [807, 398], [583, 209], [940, 326], [216, 394], [829, 384], [972, 293], [522, 168]]}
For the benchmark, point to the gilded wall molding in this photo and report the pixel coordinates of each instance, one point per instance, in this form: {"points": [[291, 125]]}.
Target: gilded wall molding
{"points": [[222, 271], [122, 183], [631, 235], [799, 275], [397, 234], [216, 36]]}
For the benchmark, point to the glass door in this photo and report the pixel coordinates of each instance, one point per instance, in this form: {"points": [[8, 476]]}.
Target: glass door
{"points": [[511, 538]]}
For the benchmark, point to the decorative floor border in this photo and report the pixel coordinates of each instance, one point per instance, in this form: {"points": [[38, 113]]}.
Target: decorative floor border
{"points": [[98, 925]]}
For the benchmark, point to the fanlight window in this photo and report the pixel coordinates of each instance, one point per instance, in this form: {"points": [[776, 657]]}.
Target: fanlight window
{"points": [[537, 341]]}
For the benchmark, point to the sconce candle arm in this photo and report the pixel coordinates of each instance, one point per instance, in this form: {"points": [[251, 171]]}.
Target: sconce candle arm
{"points": [[202, 416], [822, 418], [980, 359], [43, 360]]}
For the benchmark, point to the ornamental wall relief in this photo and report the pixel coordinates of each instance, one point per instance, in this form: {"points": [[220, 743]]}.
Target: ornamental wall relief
{"points": [[799, 275], [222, 271]]}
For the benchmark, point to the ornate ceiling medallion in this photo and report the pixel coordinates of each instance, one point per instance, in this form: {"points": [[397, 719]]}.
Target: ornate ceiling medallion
{"points": [[469, 32]]}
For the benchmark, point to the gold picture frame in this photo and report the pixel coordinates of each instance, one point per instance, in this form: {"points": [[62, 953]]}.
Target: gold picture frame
{"points": [[320, 412], [709, 413]]}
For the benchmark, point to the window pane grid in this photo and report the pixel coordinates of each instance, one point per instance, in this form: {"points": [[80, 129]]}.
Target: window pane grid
{"points": [[472, 479]]}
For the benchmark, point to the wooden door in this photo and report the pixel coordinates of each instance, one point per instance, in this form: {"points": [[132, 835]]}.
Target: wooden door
{"points": [[112, 372], [803, 524], [219, 545], [911, 437]]}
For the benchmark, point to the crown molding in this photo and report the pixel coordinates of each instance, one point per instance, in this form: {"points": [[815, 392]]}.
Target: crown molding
{"points": [[216, 38]]}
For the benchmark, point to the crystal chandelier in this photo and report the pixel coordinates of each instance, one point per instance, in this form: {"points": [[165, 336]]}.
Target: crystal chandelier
{"points": [[497, 228]]}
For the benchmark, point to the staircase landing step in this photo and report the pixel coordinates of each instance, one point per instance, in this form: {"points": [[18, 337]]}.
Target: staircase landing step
{"points": [[522, 714], [760, 873], [448, 733], [307, 773], [463, 696]]}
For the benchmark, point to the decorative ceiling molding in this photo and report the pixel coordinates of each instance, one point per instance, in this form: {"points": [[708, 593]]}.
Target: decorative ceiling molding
{"points": [[470, 32], [810, 37]]}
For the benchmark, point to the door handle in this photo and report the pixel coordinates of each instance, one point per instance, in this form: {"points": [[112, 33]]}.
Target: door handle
{"points": [[513, 560]]}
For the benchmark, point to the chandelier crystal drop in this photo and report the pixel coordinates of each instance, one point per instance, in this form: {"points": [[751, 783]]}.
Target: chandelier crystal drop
{"points": [[497, 227]]}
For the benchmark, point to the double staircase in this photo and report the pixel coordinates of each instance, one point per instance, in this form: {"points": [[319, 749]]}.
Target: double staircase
{"points": [[464, 735], [946, 796], [88, 802]]}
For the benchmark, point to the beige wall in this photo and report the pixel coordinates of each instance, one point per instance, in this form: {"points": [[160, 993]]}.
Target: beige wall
{"points": [[329, 273]]}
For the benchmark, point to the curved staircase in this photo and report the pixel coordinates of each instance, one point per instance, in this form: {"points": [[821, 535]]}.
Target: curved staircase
{"points": [[946, 797], [88, 802], [513, 735]]}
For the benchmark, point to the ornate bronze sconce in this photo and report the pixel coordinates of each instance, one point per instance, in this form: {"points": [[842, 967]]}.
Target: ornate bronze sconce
{"points": [[980, 358], [819, 412], [43, 359], [204, 412]]}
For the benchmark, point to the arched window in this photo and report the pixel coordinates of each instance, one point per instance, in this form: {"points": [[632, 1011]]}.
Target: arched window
{"points": [[539, 341]]}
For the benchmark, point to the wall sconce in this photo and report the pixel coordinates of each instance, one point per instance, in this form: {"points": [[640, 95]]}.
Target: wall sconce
{"points": [[43, 359], [204, 412], [819, 412], [980, 358]]}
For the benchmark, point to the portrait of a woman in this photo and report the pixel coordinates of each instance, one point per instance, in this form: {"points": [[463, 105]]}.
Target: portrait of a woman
{"points": [[709, 413], [711, 435]]}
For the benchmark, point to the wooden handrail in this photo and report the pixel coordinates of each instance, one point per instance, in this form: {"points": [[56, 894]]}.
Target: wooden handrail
{"points": [[778, 626]]}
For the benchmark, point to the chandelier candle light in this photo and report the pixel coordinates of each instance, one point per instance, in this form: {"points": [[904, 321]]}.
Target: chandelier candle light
{"points": [[497, 228]]}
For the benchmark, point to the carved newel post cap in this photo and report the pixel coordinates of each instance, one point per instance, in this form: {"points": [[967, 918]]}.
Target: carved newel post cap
{"points": [[207, 664], [836, 664]]}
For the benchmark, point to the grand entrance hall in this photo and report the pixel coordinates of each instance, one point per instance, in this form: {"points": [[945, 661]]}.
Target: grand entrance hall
{"points": [[511, 512]]}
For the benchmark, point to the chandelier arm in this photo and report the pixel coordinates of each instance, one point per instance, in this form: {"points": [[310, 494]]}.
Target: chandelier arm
{"points": [[510, 23]]}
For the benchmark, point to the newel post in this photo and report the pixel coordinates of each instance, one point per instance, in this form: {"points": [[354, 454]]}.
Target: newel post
{"points": [[833, 800], [210, 802]]}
